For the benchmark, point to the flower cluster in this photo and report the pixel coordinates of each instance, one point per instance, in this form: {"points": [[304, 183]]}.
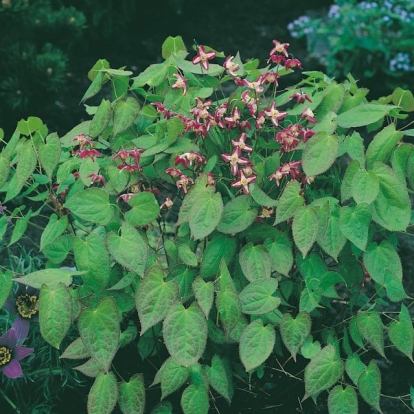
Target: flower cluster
{"points": [[85, 149]]}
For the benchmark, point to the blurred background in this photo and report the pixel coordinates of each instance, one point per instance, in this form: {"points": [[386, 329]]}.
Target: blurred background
{"points": [[48, 46]]}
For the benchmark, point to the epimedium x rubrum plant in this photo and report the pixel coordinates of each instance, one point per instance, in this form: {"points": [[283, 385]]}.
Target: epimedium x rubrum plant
{"points": [[214, 218]]}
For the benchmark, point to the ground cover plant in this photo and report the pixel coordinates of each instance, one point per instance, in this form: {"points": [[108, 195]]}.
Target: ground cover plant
{"points": [[220, 224]]}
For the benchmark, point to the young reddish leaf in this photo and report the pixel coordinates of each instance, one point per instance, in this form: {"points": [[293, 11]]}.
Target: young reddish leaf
{"points": [[76, 350], [323, 371], [354, 367], [154, 298], [319, 153], [99, 330], [305, 229], [369, 385], [194, 400], [383, 144], [204, 294], [218, 247], [55, 313], [129, 249], [101, 119], [207, 214], [49, 154], [237, 215], [370, 326], [220, 377], [91, 205], [343, 401], [173, 376], [401, 333], [255, 262], [145, 209], [131, 398], [391, 209], [256, 344], [125, 113], [103, 394], [257, 297], [354, 223], [365, 187], [185, 333], [294, 331], [280, 252], [289, 203]]}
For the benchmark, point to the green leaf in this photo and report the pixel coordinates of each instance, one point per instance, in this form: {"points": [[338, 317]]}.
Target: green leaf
{"points": [[49, 277], [365, 187], [6, 284], [219, 247], [103, 395], [305, 229], [333, 96], [354, 224], [401, 333], [404, 99], [185, 333], [355, 147], [145, 209], [237, 215], [164, 407], [173, 45], [204, 294], [257, 297], [382, 146], [363, 114], [256, 344], [261, 197], [370, 326], [194, 400], [399, 160], [31, 125], [229, 309], [26, 164], [49, 154], [55, 228], [294, 331], [255, 262], [280, 251], [76, 350], [90, 368], [346, 184], [125, 113], [99, 330], [4, 168], [92, 205], [355, 335], [94, 87], [207, 214], [101, 119], [154, 298], [129, 249], [289, 203], [220, 377], [173, 376], [92, 256], [132, 395], [369, 385], [187, 256], [354, 367], [20, 228], [55, 313], [323, 371], [391, 209], [153, 75], [343, 401], [57, 251], [319, 153], [310, 349]]}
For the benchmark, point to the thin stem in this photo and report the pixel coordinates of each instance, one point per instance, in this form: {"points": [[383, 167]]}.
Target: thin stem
{"points": [[11, 403]]}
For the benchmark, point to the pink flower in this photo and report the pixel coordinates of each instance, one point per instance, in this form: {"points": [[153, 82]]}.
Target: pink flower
{"points": [[162, 109], [255, 85], [174, 172], [82, 141], [293, 63], [244, 182], [168, 203], [308, 115], [125, 197], [234, 159], [10, 350], [241, 143], [97, 178], [278, 59], [203, 57], [289, 137], [210, 179], [234, 119], [279, 48], [181, 83], [87, 153], [184, 182], [274, 114], [190, 157], [300, 97], [260, 120], [270, 77], [231, 66], [289, 168]]}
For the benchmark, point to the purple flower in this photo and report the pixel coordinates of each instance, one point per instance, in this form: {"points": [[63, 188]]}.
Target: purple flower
{"points": [[10, 350]]}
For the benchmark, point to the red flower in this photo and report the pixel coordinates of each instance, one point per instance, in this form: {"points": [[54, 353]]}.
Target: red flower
{"points": [[274, 114], [181, 83], [241, 143], [309, 115], [203, 57], [244, 182], [279, 48], [234, 159], [231, 66]]}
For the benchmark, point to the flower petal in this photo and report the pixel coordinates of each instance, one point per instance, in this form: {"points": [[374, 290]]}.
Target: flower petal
{"points": [[13, 369], [9, 339], [21, 326], [20, 352]]}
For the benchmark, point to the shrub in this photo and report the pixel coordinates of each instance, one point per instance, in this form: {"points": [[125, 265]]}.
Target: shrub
{"points": [[220, 224]]}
